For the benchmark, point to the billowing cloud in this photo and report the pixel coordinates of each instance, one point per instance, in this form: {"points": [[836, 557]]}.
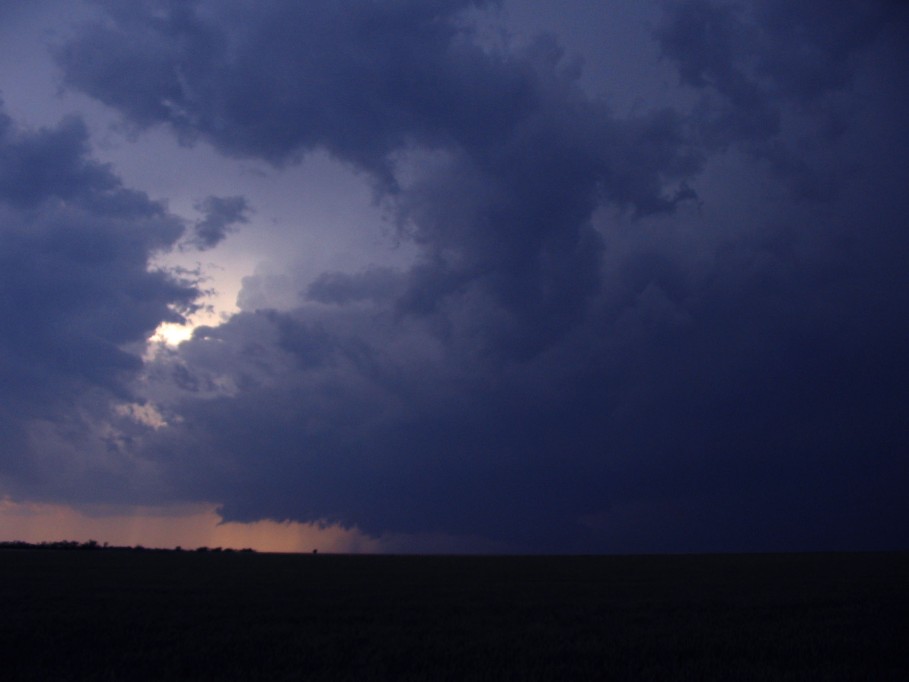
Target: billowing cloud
{"points": [[77, 294], [682, 330], [519, 157], [767, 76], [341, 288], [276, 79]]}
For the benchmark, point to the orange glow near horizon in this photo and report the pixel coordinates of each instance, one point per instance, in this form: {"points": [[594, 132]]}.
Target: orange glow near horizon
{"points": [[188, 526]]}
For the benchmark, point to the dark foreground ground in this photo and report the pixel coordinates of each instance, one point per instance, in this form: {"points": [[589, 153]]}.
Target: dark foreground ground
{"points": [[192, 616]]}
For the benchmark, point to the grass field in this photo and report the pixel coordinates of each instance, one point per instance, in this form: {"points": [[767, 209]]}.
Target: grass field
{"points": [[116, 615]]}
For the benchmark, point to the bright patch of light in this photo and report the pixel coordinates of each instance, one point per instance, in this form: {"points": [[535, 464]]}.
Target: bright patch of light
{"points": [[146, 414], [217, 307], [189, 526], [172, 334]]}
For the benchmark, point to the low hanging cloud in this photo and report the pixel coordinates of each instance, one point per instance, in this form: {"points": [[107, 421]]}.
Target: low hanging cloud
{"points": [[650, 333]]}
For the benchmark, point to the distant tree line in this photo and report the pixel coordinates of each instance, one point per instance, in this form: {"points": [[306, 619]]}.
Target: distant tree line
{"points": [[94, 545]]}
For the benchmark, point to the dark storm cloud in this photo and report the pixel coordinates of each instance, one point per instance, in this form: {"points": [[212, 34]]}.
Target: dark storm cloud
{"points": [[375, 284], [757, 56], [275, 79], [761, 67], [582, 358], [52, 163], [221, 215], [75, 284], [524, 156]]}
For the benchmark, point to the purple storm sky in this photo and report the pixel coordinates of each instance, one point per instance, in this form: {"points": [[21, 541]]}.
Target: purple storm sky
{"points": [[457, 275]]}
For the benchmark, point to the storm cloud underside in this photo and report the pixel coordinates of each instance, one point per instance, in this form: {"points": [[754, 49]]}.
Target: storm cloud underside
{"points": [[679, 330]]}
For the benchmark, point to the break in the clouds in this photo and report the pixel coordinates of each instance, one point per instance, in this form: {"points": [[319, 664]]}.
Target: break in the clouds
{"points": [[677, 329], [519, 157]]}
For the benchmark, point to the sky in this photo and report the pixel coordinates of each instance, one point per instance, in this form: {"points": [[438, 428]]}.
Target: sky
{"points": [[522, 276]]}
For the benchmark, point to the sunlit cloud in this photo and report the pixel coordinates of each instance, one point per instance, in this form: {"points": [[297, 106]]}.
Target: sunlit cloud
{"points": [[172, 334]]}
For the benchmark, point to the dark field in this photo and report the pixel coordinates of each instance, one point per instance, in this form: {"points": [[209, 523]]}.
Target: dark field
{"points": [[190, 616]]}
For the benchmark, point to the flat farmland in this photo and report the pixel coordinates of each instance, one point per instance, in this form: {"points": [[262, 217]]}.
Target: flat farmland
{"points": [[145, 615]]}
